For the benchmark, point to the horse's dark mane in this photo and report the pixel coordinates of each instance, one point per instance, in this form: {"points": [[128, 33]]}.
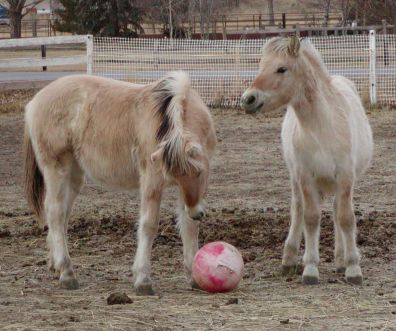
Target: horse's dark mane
{"points": [[168, 94], [163, 95]]}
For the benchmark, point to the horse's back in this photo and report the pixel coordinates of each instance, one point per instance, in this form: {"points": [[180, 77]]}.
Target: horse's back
{"points": [[85, 119], [359, 126]]}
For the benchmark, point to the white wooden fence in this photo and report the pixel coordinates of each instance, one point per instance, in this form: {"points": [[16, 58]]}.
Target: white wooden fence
{"points": [[44, 62]]}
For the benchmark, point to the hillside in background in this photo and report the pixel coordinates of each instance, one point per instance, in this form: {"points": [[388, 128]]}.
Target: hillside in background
{"points": [[280, 6]]}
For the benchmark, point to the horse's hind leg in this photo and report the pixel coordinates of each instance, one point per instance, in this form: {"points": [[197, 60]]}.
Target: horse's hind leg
{"points": [[189, 231], [62, 186], [338, 244], [347, 223]]}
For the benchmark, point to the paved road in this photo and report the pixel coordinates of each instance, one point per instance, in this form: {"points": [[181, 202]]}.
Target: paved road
{"points": [[33, 76], [9, 77]]}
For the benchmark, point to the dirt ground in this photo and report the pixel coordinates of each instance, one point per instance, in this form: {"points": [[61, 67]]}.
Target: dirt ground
{"points": [[248, 201]]}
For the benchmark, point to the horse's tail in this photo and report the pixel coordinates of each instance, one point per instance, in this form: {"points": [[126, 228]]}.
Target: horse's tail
{"points": [[33, 181], [171, 93]]}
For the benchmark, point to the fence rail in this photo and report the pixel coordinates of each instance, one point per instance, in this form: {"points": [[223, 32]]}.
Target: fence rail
{"points": [[48, 61], [222, 69]]}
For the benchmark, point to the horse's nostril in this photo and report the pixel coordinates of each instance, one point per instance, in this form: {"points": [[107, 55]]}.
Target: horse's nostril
{"points": [[251, 99]]}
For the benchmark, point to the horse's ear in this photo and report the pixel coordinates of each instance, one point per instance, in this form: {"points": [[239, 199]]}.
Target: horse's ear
{"points": [[157, 155], [294, 46]]}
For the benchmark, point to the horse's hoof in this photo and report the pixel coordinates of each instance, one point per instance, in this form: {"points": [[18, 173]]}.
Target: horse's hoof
{"points": [[310, 280], [51, 264], [288, 269], [144, 290], [69, 283], [194, 285], [340, 270], [355, 280]]}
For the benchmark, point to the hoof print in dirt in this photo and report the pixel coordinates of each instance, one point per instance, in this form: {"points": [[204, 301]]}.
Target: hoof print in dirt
{"points": [[332, 281], [232, 301], [118, 299]]}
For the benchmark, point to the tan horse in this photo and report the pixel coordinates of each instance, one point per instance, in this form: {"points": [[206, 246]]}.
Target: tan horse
{"points": [[124, 136], [327, 144]]}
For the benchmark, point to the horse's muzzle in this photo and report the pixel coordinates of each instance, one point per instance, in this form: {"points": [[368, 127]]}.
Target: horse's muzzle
{"points": [[197, 213], [251, 101]]}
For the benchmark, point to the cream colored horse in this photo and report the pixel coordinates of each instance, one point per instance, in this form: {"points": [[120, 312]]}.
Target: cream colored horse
{"points": [[124, 136], [327, 144]]}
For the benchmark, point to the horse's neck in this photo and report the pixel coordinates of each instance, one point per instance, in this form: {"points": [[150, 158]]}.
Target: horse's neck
{"points": [[312, 109]]}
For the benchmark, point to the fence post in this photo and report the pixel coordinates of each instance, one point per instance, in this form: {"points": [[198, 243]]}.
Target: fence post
{"points": [[89, 54], [373, 57], [384, 27], [44, 55], [298, 30]]}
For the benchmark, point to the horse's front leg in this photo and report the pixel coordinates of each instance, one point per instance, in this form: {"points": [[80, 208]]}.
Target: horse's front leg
{"points": [[293, 241], [189, 231], [151, 191], [311, 232]]}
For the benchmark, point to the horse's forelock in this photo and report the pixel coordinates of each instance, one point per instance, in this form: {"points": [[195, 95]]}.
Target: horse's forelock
{"points": [[277, 46], [175, 158]]}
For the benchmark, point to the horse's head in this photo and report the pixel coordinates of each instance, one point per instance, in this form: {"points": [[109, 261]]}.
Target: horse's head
{"points": [[189, 168], [276, 81]]}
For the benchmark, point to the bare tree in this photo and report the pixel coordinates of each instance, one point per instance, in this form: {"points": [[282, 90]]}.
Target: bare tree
{"points": [[346, 7], [191, 9], [17, 9], [209, 11], [271, 12], [170, 13]]}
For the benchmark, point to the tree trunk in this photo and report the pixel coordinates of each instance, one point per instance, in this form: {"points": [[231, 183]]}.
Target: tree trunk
{"points": [[191, 8], [15, 24], [271, 12], [327, 13]]}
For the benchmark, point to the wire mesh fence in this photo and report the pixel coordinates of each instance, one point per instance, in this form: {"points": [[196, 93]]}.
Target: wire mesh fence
{"points": [[220, 70], [386, 69]]}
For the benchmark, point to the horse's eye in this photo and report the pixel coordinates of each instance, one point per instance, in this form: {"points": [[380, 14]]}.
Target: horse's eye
{"points": [[281, 70]]}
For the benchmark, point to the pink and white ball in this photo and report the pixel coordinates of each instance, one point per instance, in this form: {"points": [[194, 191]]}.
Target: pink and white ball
{"points": [[217, 267]]}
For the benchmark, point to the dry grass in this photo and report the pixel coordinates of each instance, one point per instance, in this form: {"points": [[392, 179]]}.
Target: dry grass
{"points": [[248, 180], [14, 101]]}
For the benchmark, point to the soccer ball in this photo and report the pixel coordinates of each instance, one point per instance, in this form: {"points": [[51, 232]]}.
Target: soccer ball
{"points": [[217, 267]]}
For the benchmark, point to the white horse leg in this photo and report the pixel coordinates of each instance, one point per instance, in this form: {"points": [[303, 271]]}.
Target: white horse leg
{"points": [[338, 244], [311, 234], [346, 219], [58, 200], [148, 226], [189, 231], [293, 241]]}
